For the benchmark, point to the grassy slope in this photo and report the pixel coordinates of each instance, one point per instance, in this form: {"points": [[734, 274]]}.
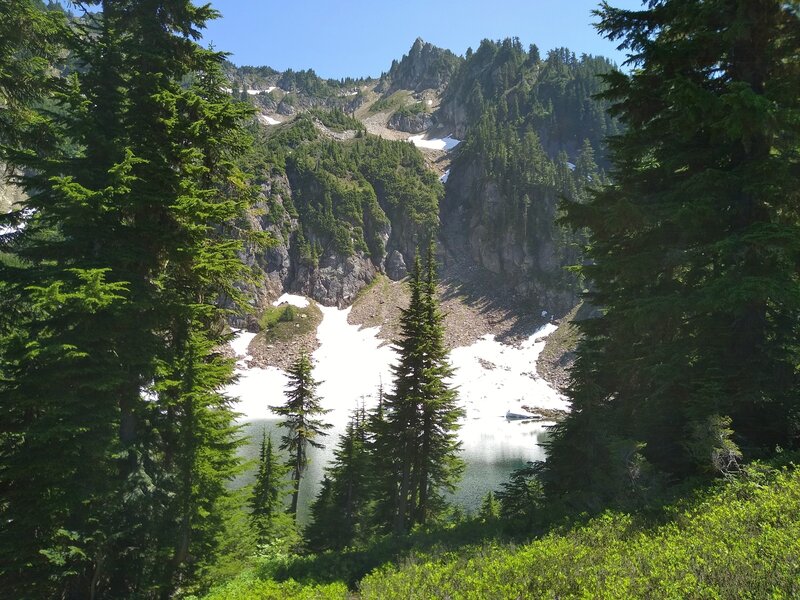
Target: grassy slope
{"points": [[741, 540]]}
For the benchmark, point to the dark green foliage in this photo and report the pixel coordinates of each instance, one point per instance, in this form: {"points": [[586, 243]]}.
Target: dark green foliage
{"points": [[308, 82], [415, 446], [490, 509], [337, 120], [31, 41], [266, 501], [339, 515], [347, 193], [412, 110], [552, 97], [694, 259], [529, 124], [301, 420], [521, 499], [116, 443]]}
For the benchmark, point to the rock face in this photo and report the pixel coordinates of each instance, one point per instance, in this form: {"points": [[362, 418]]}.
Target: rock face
{"points": [[424, 67], [285, 108], [396, 266], [332, 279], [10, 194], [528, 266], [416, 123]]}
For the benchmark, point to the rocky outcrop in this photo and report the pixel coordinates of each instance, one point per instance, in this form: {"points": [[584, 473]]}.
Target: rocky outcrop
{"points": [[286, 108], [336, 279], [424, 67], [410, 123], [10, 194], [331, 279], [396, 265], [528, 264]]}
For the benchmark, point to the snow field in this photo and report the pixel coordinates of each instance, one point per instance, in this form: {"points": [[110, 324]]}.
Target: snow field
{"points": [[351, 364], [445, 143]]}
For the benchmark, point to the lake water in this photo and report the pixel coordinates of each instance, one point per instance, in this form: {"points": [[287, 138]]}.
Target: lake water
{"points": [[351, 363]]}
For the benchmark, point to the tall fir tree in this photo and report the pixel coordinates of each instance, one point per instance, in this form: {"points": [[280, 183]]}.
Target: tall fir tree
{"points": [[115, 361], [415, 445], [339, 513], [31, 44], [266, 501], [301, 420], [693, 255]]}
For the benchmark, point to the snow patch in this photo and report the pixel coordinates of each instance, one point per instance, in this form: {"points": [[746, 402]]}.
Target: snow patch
{"points": [[268, 120], [241, 341], [513, 382], [445, 176], [293, 299], [255, 390], [350, 363], [445, 143]]}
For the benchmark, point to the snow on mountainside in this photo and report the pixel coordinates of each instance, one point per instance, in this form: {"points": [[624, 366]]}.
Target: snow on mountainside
{"points": [[445, 143]]}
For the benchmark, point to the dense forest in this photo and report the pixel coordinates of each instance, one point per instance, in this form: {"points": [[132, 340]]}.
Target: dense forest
{"points": [[670, 187]]}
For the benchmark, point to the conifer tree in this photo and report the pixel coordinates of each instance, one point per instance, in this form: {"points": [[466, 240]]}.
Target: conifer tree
{"points": [[266, 500], [115, 360], [693, 255], [340, 509], [31, 41], [301, 420], [415, 445], [439, 465]]}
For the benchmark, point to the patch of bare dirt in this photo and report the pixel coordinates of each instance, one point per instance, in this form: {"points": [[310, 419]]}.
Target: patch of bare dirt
{"points": [[470, 312]]}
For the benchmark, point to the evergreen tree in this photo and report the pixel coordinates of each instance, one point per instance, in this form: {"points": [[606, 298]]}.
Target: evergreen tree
{"points": [[438, 463], [301, 421], [31, 40], [266, 500], [340, 510], [415, 446], [490, 509], [693, 255], [113, 360]]}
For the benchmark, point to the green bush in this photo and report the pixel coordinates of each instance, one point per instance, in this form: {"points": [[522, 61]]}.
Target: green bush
{"points": [[248, 587], [741, 542]]}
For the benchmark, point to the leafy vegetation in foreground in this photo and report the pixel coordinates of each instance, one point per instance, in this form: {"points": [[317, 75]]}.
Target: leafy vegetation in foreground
{"points": [[740, 540], [249, 587]]}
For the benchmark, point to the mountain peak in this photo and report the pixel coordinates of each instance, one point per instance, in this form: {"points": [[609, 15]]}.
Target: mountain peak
{"points": [[424, 67]]}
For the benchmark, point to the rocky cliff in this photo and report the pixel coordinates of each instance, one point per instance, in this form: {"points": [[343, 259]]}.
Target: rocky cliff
{"points": [[343, 211], [424, 67], [339, 212], [331, 279], [532, 139]]}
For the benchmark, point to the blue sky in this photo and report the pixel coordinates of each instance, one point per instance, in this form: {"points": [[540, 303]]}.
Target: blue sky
{"points": [[339, 38]]}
